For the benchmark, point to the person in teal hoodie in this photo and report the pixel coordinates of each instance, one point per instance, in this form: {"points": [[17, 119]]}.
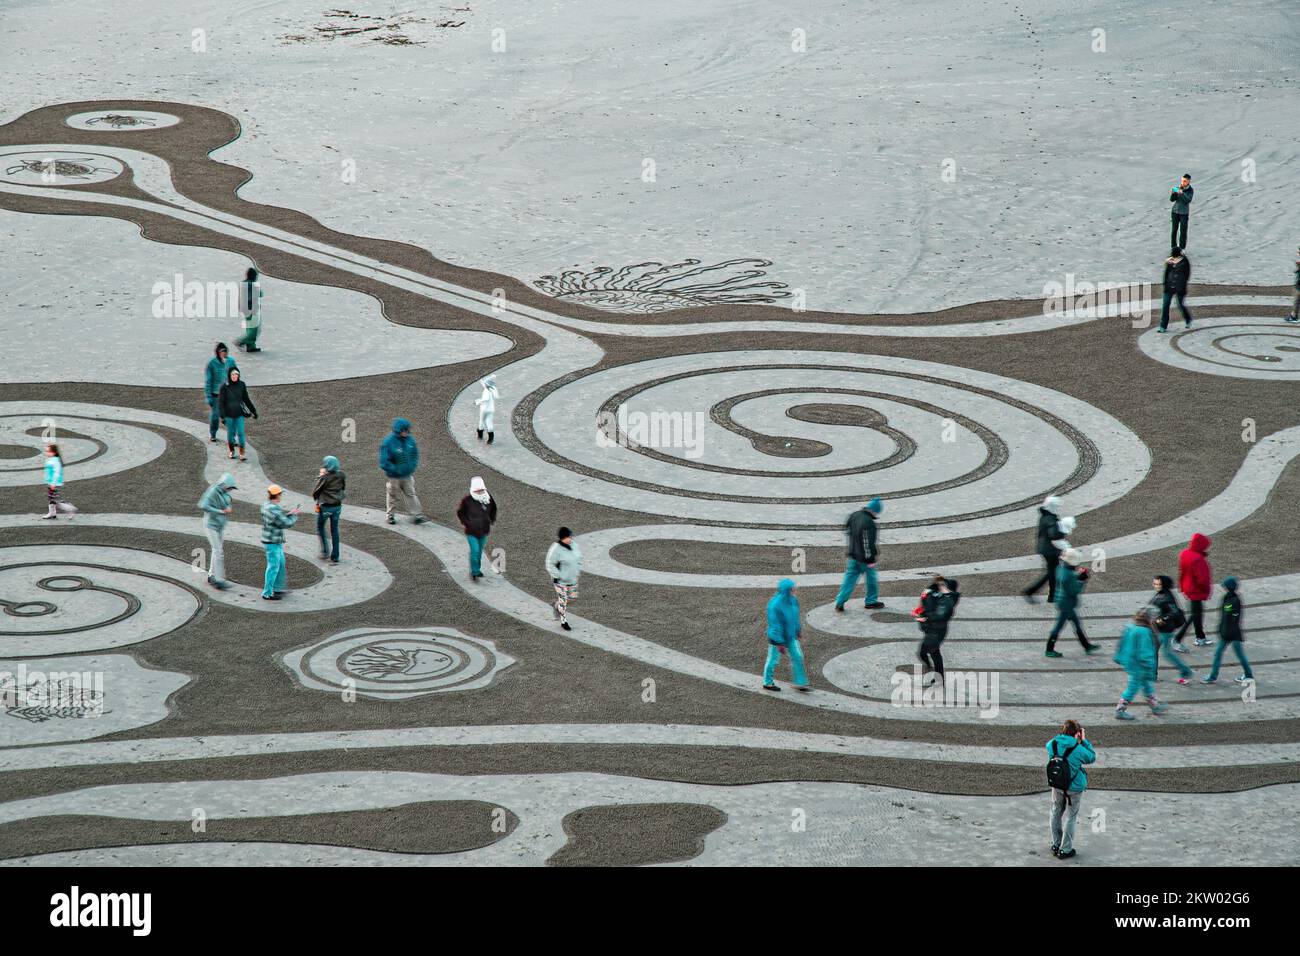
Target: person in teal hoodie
{"points": [[783, 629], [216, 507], [1070, 582], [1139, 655], [1071, 744], [214, 376], [399, 456]]}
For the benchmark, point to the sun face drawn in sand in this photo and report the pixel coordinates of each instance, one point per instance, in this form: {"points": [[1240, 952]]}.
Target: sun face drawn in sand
{"points": [[121, 121], [58, 169], [648, 287]]}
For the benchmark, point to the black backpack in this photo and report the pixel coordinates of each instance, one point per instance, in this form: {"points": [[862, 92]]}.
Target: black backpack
{"points": [[1059, 774]]}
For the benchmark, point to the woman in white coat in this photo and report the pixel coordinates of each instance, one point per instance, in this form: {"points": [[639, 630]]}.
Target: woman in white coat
{"points": [[487, 406], [564, 564]]}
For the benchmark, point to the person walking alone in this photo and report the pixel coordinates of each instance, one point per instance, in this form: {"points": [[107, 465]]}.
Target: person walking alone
{"points": [[564, 565], [235, 404], [1139, 655], [250, 307], [1168, 617], [1178, 272], [1295, 303], [274, 521], [477, 513], [1181, 196], [861, 532], [1230, 632], [399, 456], [329, 492], [1049, 533], [54, 485], [783, 630], [216, 507], [214, 376], [1195, 581], [1068, 753], [1070, 582], [487, 406]]}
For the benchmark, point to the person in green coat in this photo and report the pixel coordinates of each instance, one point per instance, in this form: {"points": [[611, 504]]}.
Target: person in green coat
{"points": [[1070, 582]]}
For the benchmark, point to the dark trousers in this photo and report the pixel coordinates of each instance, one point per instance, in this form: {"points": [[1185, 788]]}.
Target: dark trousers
{"points": [[1164, 309], [1048, 578], [1062, 616], [1196, 617], [930, 655], [329, 513], [1178, 230]]}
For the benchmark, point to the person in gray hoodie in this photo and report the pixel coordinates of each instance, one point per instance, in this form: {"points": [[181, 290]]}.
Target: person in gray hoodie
{"points": [[216, 507], [564, 564], [329, 492]]}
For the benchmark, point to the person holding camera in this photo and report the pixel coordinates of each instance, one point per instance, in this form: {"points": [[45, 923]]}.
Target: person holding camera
{"points": [[1070, 582], [1181, 196], [1068, 753]]}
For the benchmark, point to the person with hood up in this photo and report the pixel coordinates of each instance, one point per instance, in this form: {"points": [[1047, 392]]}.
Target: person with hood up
{"points": [[860, 530], [1070, 582], [564, 564], [250, 307], [274, 521], [54, 485], [1195, 581], [477, 513], [1075, 752], [1049, 549], [1167, 617], [235, 405], [783, 630], [1230, 632], [938, 603], [1139, 655], [487, 406], [214, 376], [216, 507], [399, 456], [330, 490]]}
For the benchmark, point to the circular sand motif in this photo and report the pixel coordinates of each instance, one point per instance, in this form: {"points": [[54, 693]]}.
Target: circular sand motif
{"points": [[25, 167], [1246, 347], [396, 664], [119, 121], [109, 448]]}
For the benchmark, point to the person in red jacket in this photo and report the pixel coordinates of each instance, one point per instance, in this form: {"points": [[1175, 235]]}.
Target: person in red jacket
{"points": [[1195, 582]]}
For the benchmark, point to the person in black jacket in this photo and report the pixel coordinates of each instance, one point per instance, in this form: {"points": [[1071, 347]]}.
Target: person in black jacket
{"points": [[1049, 532], [860, 530], [330, 490], [477, 513], [937, 606], [1181, 197], [1166, 618], [235, 404], [1178, 272], [1230, 632]]}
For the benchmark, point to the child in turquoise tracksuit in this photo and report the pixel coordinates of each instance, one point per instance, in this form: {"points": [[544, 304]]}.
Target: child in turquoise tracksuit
{"points": [[1072, 744], [1139, 655], [783, 629], [54, 484]]}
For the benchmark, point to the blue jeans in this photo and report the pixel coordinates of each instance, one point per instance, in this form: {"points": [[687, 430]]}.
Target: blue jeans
{"points": [[1239, 650], [477, 543], [855, 570], [796, 662], [235, 431], [1166, 639], [329, 513], [1062, 616], [274, 580], [1138, 685], [214, 418]]}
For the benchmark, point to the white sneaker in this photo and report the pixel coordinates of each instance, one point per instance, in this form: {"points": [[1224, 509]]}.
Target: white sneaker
{"points": [[1202, 643], [1179, 648], [1243, 679]]}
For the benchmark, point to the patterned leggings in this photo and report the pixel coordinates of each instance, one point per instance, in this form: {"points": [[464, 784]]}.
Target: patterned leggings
{"points": [[564, 593]]}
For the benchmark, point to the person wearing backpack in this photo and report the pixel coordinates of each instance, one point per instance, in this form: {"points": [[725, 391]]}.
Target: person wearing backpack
{"points": [[1168, 618], [1067, 754], [1230, 616], [1139, 655]]}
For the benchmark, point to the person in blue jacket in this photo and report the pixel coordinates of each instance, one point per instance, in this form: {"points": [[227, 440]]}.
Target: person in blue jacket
{"points": [[214, 376], [1139, 655], [399, 456], [783, 629], [1071, 744], [1070, 582]]}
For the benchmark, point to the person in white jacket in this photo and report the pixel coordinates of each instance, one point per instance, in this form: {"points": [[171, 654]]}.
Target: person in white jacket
{"points": [[564, 564], [487, 406]]}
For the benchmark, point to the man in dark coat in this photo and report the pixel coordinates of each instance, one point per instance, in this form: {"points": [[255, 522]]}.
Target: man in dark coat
{"points": [[1181, 197], [1049, 532], [860, 530], [1178, 272]]}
